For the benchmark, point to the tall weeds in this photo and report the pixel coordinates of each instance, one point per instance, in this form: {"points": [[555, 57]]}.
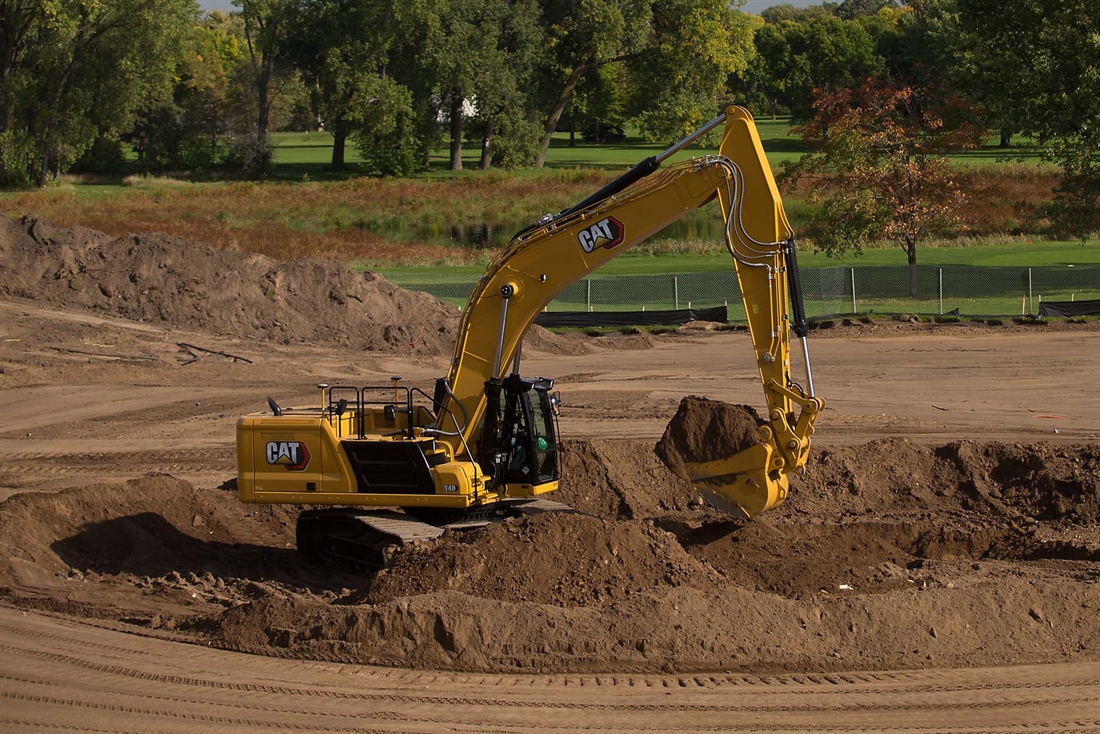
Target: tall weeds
{"points": [[376, 221]]}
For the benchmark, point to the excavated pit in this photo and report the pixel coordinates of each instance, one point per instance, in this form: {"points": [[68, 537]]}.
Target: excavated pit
{"points": [[887, 555]]}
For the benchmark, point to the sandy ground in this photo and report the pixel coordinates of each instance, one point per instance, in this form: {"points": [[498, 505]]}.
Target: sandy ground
{"points": [[87, 399], [150, 412], [62, 676], [937, 567]]}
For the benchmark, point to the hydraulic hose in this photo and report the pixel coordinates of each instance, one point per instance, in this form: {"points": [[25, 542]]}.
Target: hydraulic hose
{"points": [[794, 285]]}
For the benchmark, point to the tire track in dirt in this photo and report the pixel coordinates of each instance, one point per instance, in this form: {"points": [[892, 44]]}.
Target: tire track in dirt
{"points": [[65, 675], [899, 682], [572, 706], [1062, 727], [50, 471]]}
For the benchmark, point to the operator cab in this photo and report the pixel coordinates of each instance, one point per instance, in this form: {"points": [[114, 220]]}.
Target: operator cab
{"points": [[520, 443]]}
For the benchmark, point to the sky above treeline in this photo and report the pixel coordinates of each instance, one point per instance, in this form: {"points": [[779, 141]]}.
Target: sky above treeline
{"points": [[750, 6]]}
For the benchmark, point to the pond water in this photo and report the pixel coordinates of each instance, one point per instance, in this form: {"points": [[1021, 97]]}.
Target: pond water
{"points": [[702, 225]]}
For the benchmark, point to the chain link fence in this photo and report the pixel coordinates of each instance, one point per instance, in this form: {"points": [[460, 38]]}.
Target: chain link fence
{"points": [[965, 290]]}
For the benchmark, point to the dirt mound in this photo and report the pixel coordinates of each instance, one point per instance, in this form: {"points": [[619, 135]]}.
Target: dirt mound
{"points": [[155, 546], [707, 430], [996, 560], [620, 480], [557, 558], [1014, 481], [160, 278]]}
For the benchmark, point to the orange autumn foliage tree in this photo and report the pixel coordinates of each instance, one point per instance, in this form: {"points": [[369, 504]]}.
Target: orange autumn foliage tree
{"points": [[880, 168]]}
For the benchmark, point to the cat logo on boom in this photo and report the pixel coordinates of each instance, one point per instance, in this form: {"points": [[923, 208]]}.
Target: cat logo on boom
{"points": [[292, 454], [607, 232]]}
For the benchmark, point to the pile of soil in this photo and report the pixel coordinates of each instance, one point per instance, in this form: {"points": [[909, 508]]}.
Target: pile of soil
{"points": [[888, 555], [160, 278], [1020, 482], [592, 562], [620, 480], [707, 430], [85, 546]]}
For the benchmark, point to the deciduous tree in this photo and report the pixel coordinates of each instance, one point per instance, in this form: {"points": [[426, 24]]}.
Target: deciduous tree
{"points": [[1043, 60], [341, 48], [72, 72], [825, 53], [679, 54], [582, 35], [468, 59], [679, 78], [880, 169], [796, 55], [185, 131], [509, 134], [266, 23]]}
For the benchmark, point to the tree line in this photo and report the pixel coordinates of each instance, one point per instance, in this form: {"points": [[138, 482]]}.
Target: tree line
{"points": [[192, 91]]}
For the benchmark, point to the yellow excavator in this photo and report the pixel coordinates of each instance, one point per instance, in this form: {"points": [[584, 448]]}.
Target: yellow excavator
{"points": [[485, 441]]}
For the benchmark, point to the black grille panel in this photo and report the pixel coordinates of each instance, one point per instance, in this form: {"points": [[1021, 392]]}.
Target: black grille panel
{"points": [[390, 467]]}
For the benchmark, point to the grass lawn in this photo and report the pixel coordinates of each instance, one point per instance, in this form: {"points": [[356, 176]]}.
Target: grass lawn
{"points": [[1022, 254], [1025, 254], [635, 283], [298, 154], [301, 156]]}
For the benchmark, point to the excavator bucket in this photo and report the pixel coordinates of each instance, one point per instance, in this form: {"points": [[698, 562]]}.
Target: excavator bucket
{"points": [[742, 485]]}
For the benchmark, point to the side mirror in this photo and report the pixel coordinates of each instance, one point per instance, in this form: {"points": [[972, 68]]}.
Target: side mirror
{"points": [[555, 403]]}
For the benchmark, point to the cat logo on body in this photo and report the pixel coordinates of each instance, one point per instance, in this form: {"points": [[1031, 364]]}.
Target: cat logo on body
{"points": [[292, 454], [608, 233]]}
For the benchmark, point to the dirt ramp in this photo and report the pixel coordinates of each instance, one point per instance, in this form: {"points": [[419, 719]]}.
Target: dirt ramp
{"points": [[558, 558], [998, 621], [707, 430]]}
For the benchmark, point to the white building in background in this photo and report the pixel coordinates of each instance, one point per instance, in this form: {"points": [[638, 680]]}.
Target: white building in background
{"points": [[443, 117]]}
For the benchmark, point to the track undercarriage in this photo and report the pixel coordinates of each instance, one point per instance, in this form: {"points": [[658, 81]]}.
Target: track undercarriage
{"points": [[365, 540]]}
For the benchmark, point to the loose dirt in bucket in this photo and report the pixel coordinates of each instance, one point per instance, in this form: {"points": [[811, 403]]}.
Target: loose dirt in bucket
{"points": [[707, 430]]}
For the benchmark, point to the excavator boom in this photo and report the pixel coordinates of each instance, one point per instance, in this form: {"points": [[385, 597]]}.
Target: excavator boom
{"points": [[543, 260]]}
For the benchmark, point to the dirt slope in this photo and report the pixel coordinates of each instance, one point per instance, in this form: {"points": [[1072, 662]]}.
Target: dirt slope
{"points": [[159, 278]]}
